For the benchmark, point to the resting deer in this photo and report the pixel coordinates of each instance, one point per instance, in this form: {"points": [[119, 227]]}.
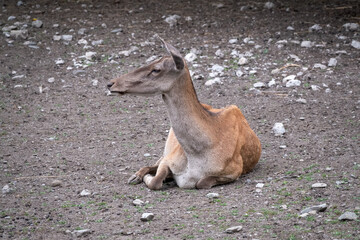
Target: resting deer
{"points": [[205, 146]]}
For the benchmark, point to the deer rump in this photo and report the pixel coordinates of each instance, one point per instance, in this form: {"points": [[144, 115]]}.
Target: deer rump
{"points": [[205, 146]]}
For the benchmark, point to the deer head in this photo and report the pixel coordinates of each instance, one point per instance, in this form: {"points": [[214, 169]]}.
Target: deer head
{"points": [[155, 78]]}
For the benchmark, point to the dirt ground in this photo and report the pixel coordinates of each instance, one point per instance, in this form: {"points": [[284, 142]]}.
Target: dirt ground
{"points": [[61, 134]]}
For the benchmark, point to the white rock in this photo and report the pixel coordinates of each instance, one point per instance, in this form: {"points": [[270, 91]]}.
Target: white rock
{"points": [[319, 65], [59, 61], [296, 58], [332, 62], [239, 73], [217, 68], [147, 155], [190, 57], [233, 229], [272, 83], [233, 41], [6, 189], [259, 85], [319, 185], [219, 53], [19, 34], [97, 42], [56, 37], [355, 44], [83, 42], [66, 38], [138, 202], [290, 28], [213, 81], [172, 20], [150, 59], [307, 44], [145, 217], [315, 88], [282, 146], [269, 5], [11, 18], [51, 80], [259, 185], [117, 30], [278, 129], [80, 233], [95, 82], [275, 71], [90, 55], [293, 83], [127, 53], [55, 25], [301, 100], [351, 26], [85, 192], [243, 61], [350, 216], [37, 24], [18, 77], [212, 195], [315, 28], [82, 31], [288, 78], [317, 208]]}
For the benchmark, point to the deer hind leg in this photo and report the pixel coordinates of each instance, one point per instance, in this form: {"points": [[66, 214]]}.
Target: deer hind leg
{"points": [[156, 182], [139, 175], [210, 181]]}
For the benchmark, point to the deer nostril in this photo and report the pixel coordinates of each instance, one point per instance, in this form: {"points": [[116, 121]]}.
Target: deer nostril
{"points": [[109, 85]]}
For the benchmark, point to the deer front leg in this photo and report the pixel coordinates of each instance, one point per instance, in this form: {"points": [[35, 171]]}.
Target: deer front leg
{"points": [[210, 181], [156, 182], [139, 175]]}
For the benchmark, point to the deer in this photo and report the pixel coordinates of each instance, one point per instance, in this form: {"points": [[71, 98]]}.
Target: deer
{"points": [[205, 146]]}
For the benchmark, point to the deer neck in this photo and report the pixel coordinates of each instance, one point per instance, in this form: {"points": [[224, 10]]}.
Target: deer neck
{"points": [[188, 117]]}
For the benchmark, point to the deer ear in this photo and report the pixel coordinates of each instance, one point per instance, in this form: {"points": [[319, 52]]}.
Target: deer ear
{"points": [[178, 60]]}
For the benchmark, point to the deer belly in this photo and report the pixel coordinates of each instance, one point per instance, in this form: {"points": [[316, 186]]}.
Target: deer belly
{"points": [[188, 179]]}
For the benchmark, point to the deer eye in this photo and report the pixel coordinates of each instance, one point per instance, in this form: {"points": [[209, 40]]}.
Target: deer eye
{"points": [[155, 70]]}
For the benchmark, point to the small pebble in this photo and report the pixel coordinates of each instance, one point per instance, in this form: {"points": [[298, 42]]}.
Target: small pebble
{"points": [[233, 229], [319, 185], [147, 217], [56, 183], [212, 195]]}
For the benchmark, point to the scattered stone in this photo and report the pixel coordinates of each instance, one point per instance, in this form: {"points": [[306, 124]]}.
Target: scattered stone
{"points": [[319, 65], [127, 53], [19, 3], [290, 28], [288, 78], [315, 28], [138, 202], [317, 208], [56, 183], [83, 42], [272, 83], [82, 31], [150, 59], [84, 193], [259, 85], [147, 155], [81, 233], [351, 26], [59, 61], [78, 72], [55, 25], [95, 82], [190, 57], [233, 229], [172, 20], [282, 146], [269, 5], [212, 195], [18, 77], [147, 217], [56, 37], [213, 81], [66, 38], [348, 216], [219, 53], [315, 88], [260, 185], [233, 41], [19, 34], [51, 80], [275, 71], [37, 23], [301, 100], [117, 30], [217, 68], [11, 18], [6, 189], [332, 62], [279, 129], [293, 83], [319, 185], [90, 55], [243, 61], [296, 58], [355, 44], [307, 44], [239, 73], [97, 42]]}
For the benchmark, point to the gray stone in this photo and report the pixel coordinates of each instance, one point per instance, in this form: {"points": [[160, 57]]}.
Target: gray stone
{"points": [[279, 129], [348, 216], [145, 217], [82, 31], [59, 61], [81, 233], [85, 192], [10, 18], [243, 61], [319, 185], [212, 195], [67, 38], [138, 202], [293, 83], [259, 85], [332, 62], [317, 208], [351, 26], [315, 28], [6, 189], [319, 65], [172, 20], [239, 73], [117, 30], [19, 34], [355, 44], [97, 42], [213, 81], [37, 24], [56, 183], [269, 5], [56, 37], [190, 57], [233, 229], [90, 55], [307, 44]]}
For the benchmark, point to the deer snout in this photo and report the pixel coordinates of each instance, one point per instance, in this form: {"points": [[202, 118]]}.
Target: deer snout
{"points": [[110, 84]]}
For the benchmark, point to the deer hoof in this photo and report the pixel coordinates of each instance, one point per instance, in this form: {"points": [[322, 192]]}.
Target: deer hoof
{"points": [[134, 179]]}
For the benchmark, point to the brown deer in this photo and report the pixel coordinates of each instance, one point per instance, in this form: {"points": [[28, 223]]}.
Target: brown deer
{"points": [[205, 146]]}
